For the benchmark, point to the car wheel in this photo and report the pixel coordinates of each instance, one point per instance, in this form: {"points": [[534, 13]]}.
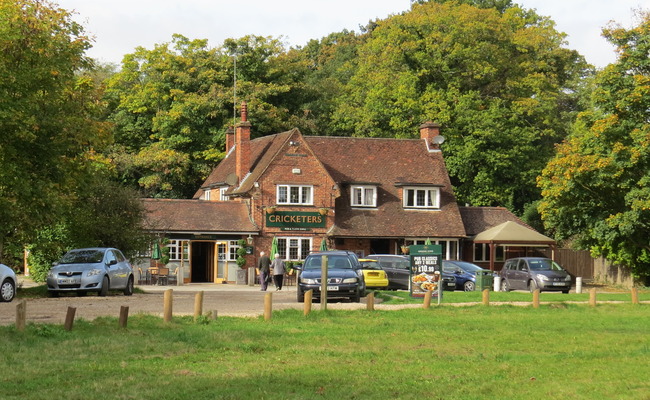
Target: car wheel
{"points": [[532, 286], [7, 290], [505, 286], [356, 298], [128, 290], [301, 296], [565, 291], [469, 286], [104, 289]]}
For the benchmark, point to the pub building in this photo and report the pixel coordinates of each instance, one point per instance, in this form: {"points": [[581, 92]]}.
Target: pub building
{"points": [[366, 195]]}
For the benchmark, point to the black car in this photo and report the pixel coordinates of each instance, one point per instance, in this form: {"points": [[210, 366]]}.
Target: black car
{"points": [[344, 276], [398, 269]]}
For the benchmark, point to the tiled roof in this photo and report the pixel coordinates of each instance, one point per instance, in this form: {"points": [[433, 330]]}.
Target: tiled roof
{"points": [[197, 216], [479, 219]]}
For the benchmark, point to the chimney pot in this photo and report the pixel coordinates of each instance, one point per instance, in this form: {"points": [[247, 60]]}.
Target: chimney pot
{"points": [[244, 111]]}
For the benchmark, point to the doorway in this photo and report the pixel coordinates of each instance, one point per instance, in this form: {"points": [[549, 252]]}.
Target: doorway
{"points": [[202, 261]]}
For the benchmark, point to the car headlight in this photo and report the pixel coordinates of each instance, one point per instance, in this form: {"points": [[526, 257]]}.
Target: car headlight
{"points": [[568, 278], [94, 272], [350, 280], [308, 281], [542, 277], [50, 274]]}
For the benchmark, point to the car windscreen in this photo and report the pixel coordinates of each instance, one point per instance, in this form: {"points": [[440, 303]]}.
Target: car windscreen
{"points": [[544, 265], [469, 267], [83, 257], [337, 262]]}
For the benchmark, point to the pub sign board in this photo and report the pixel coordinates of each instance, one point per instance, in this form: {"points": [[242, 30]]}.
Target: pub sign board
{"points": [[426, 270], [295, 220]]}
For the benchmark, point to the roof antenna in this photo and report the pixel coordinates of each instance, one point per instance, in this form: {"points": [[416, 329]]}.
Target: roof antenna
{"points": [[234, 94]]}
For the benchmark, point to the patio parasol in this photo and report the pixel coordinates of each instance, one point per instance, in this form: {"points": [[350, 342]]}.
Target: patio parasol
{"points": [[274, 247], [156, 253], [323, 245]]}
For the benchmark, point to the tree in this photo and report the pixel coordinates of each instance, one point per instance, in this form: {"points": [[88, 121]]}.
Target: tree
{"points": [[498, 81], [46, 111], [596, 190]]}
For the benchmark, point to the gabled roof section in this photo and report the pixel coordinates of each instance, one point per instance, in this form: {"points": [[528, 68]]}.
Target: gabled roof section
{"points": [[479, 219], [171, 215]]}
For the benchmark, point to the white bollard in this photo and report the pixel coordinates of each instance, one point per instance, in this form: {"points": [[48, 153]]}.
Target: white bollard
{"points": [[579, 284], [497, 283]]}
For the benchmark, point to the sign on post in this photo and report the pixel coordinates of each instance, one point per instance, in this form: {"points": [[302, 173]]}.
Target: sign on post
{"points": [[426, 270]]}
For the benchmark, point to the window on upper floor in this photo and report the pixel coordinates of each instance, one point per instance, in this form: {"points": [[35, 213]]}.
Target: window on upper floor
{"points": [[364, 196], [206, 194], [421, 197], [295, 194], [222, 193]]}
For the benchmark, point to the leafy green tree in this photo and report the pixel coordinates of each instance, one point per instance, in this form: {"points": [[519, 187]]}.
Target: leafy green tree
{"points": [[497, 80], [46, 112], [596, 190]]}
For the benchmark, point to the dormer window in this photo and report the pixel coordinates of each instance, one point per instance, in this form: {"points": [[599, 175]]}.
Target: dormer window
{"points": [[295, 194], [422, 197], [222, 193], [363, 196]]}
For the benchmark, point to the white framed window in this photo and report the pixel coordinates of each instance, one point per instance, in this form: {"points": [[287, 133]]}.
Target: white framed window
{"points": [[421, 197], [295, 194], [233, 245], [222, 194], [294, 248], [175, 249], [482, 252], [206, 194], [364, 196]]}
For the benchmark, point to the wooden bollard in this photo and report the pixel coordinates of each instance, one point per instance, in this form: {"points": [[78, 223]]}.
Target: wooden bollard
{"points": [[268, 306], [486, 297], [427, 299], [308, 300], [124, 316], [198, 305], [370, 301], [592, 297], [536, 298], [635, 296], [69, 318], [167, 305], [215, 315], [21, 315]]}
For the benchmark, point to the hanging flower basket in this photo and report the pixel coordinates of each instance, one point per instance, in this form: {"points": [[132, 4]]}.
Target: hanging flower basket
{"points": [[270, 210], [323, 211], [405, 249]]}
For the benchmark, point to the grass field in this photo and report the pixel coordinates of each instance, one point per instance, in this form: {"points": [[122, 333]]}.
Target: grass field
{"points": [[561, 350]]}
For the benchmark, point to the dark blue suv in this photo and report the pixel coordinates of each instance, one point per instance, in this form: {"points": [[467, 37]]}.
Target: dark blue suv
{"points": [[344, 276]]}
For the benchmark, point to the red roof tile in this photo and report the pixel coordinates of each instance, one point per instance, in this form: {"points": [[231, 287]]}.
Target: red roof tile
{"points": [[197, 216]]}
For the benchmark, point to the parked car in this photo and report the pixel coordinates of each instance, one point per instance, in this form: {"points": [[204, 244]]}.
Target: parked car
{"points": [[398, 269], [344, 276], [373, 275], [465, 273], [8, 283], [530, 273], [91, 270]]}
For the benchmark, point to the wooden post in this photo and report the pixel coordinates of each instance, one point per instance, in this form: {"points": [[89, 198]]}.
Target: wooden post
{"points": [[21, 315], [635, 296], [124, 316], [268, 306], [536, 298], [214, 315], [592, 297], [427, 299], [323, 283], [167, 305], [370, 301], [198, 305], [486, 297], [308, 298], [69, 318]]}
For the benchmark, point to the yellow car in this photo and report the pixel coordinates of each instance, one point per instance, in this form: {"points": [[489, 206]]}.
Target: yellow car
{"points": [[373, 274]]}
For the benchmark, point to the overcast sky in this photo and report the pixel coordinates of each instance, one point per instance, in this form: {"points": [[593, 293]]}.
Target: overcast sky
{"points": [[119, 26]]}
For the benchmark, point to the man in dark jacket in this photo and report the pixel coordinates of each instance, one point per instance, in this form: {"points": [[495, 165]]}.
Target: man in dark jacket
{"points": [[264, 270]]}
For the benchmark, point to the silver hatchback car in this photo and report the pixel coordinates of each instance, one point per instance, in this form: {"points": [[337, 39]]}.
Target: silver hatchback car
{"points": [[91, 270], [8, 283], [530, 273]]}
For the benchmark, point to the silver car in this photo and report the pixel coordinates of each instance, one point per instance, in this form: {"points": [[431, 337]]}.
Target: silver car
{"points": [[91, 270], [530, 273], [7, 283]]}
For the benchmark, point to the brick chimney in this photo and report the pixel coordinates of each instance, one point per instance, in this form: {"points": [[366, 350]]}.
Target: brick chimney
{"points": [[230, 138], [429, 130], [242, 144]]}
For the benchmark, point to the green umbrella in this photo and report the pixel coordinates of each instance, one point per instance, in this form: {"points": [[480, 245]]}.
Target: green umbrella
{"points": [[274, 247], [427, 242], [156, 254], [323, 245]]}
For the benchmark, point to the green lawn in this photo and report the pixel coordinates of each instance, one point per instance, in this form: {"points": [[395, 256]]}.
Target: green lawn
{"points": [[560, 350]]}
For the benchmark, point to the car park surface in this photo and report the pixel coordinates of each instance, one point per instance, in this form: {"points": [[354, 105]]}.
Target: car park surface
{"points": [[398, 269], [91, 270], [531, 273], [344, 276], [8, 283]]}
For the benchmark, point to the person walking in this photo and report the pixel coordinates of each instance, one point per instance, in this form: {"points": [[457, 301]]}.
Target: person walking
{"points": [[264, 270], [277, 267]]}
